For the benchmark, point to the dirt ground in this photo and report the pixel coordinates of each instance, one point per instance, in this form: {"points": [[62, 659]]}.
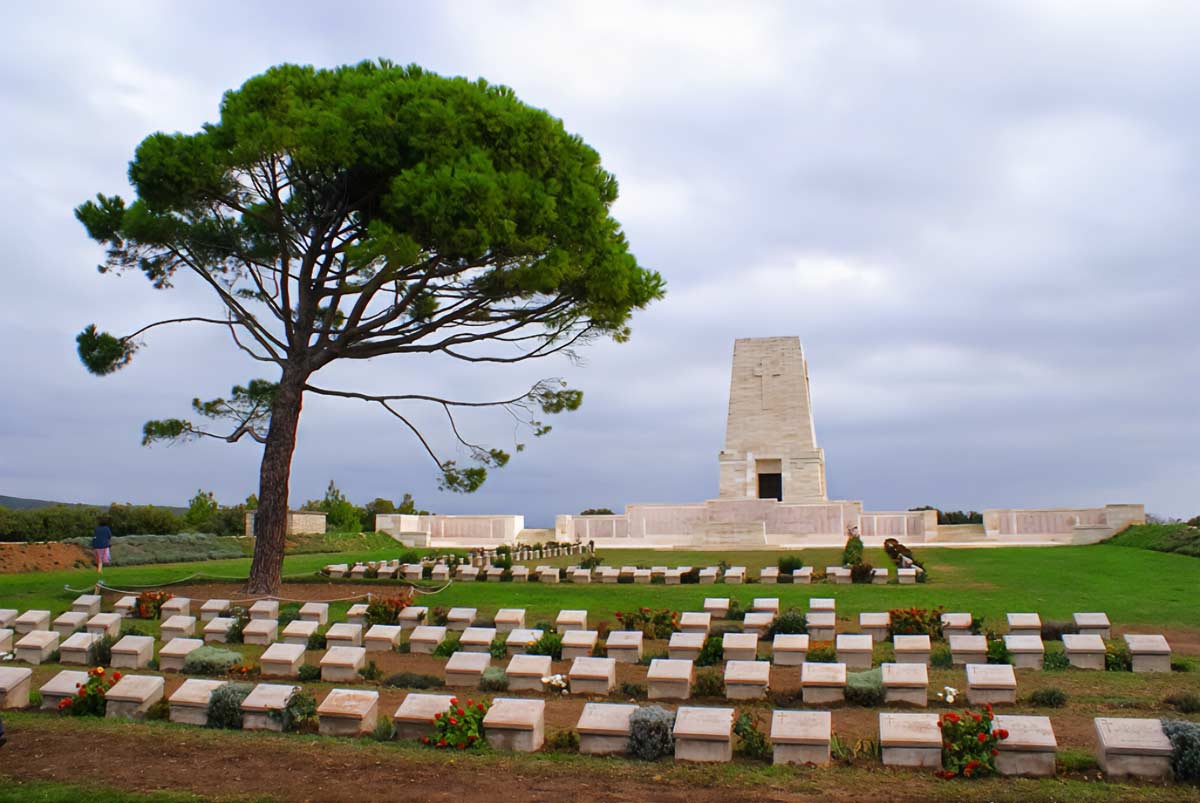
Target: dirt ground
{"points": [[48, 557]]}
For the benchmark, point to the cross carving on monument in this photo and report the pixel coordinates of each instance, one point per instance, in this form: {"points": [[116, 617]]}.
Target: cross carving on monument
{"points": [[767, 370]]}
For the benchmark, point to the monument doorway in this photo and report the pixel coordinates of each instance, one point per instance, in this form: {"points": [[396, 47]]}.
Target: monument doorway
{"points": [[770, 486]]}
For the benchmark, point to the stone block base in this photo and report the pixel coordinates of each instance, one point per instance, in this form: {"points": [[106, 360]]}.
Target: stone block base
{"points": [[343, 674], [1155, 767], [114, 709], [745, 691], [1030, 764], [1087, 660], [625, 655], [590, 686], [1151, 663], [964, 658], [524, 683], [171, 663], [517, 741], [34, 655], [912, 658], [993, 696], [129, 660], [917, 697], [823, 695], [817, 755], [820, 633], [463, 680], [349, 726], [930, 757], [703, 750], [1103, 632], [18, 695], [1027, 660], [190, 714], [593, 744], [666, 690], [260, 721], [412, 730], [683, 653]]}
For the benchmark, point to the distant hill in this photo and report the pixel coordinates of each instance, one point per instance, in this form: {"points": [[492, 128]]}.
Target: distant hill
{"points": [[22, 503]]}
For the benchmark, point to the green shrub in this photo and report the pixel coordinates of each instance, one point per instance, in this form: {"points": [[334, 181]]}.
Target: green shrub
{"points": [[1117, 657], [209, 660], [384, 731], [751, 742], [225, 705], [316, 642], [498, 649], [549, 644], [370, 671], [862, 573], [998, 653], [824, 654], [940, 657], [287, 614], [438, 615], [1054, 629], [691, 577], [792, 620], [1181, 663], [413, 680], [651, 733], [736, 612], [916, 622], [563, 742], [449, 645], [1055, 661], [494, 679], [1185, 742], [658, 624], [241, 618], [852, 553], [650, 657], [100, 653], [709, 684], [635, 691], [865, 688], [159, 711], [300, 713], [385, 610], [35, 699], [1185, 702], [309, 673], [712, 653], [1048, 697], [789, 563]]}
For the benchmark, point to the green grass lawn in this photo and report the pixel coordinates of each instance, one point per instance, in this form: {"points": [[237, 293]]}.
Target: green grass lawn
{"points": [[1134, 586], [13, 790]]}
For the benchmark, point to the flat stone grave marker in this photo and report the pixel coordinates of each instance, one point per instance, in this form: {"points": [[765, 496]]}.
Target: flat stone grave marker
{"points": [[765, 604], [906, 577], [603, 728], [262, 700], [822, 683], [178, 626], [6, 639], [217, 629], [283, 660], [315, 612], [801, 737], [910, 740], [685, 646], [346, 634], [133, 652], [1025, 624], [133, 695], [757, 623], [578, 643], [213, 608], [768, 575], [717, 607], [15, 682], [875, 624], [465, 669], [624, 646], [62, 686], [382, 638], [519, 639], [906, 683], [879, 576], [703, 734], [822, 625], [789, 649], [348, 712], [1084, 651], [509, 619], [260, 632], [1134, 747], [525, 672], [802, 576], [571, 620], [822, 604], [174, 653], [77, 649], [8, 616], [912, 649], [36, 646], [341, 664], [68, 622], [838, 575], [747, 680], [967, 649], [956, 624], [695, 622], [477, 639], [740, 646], [1093, 624], [736, 575], [299, 631], [124, 606], [708, 575], [1028, 652], [265, 609], [855, 650], [356, 614], [670, 679], [176, 606], [189, 703], [592, 675], [414, 718], [1030, 748], [991, 684], [516, 724], [105, 624], [1151, 653], [31, 621], [88, 604], [642, 576], [412, 616], [460, 618], [440, 573]]}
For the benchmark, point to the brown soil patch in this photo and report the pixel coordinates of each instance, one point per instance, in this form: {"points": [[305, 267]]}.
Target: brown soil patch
{"points": [[47, 557]]}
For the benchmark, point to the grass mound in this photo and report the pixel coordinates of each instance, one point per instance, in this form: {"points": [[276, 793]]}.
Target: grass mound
{"points": [[1178, 538]]}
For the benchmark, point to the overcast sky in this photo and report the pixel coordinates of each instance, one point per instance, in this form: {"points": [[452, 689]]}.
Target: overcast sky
{"points": [[980, 219]]}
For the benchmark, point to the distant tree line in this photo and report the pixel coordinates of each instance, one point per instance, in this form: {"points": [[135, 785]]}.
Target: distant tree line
{"points": [[204, 514], [954, 516]]}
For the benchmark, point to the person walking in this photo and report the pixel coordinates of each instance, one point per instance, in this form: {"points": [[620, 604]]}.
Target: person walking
{"points": [[101, 543]]}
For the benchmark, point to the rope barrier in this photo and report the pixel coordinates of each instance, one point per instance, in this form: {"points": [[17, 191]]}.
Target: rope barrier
{"points": [[136, 589]]}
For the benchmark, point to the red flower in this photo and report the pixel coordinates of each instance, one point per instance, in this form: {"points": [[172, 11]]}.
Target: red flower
{"points": [[469, 702], [482, 707], [977, 717], [116, 675], [472, 738], [424, 740], [462, 745], [995, 752], [82, 692], [461, 712], [952, 717], [453, 721], [441, 742], [438, 715], [1002, 734], [982, 737]]}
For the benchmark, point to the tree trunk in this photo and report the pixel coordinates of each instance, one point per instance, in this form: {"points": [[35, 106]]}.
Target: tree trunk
{"points": [[271, 519]]}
